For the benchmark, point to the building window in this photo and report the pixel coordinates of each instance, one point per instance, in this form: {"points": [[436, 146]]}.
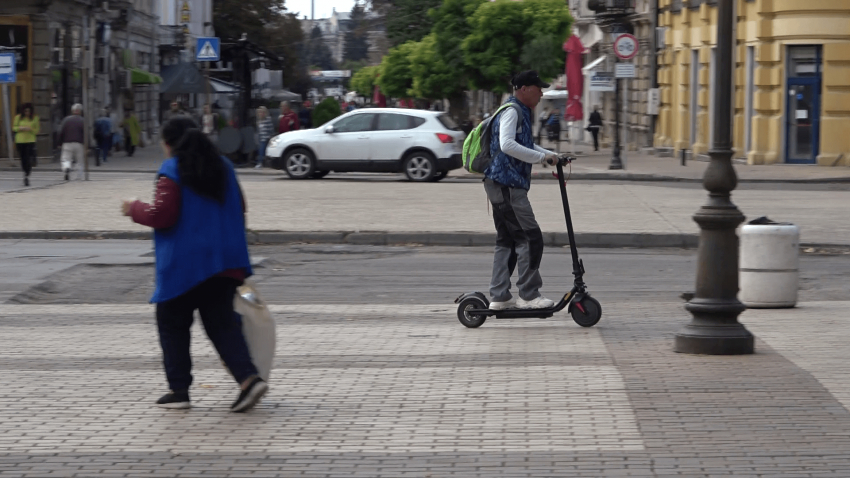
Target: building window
{"points": [[694, 4], [803, 61], [676, 6]]}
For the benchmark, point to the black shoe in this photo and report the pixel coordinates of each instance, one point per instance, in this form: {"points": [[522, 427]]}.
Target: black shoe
{"points": [[250, 396], [26, 181], [174, 400]]}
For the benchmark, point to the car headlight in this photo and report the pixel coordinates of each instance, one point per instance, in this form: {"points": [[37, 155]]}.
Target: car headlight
{"points": [[274, 141]]}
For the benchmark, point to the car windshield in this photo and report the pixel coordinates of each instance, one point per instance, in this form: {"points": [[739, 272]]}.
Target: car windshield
{"points": [[448, 122]]}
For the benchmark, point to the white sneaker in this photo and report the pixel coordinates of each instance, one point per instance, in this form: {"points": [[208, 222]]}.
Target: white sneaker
{"points": [[538, 303], [259, 166], [510, 303]]}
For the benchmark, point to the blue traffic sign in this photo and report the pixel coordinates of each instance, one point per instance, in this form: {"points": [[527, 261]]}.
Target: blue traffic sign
{"points": [[208, 49], [7, 68]]}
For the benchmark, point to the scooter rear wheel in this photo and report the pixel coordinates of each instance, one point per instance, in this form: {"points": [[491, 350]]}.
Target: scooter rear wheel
{"points": [[591, 314], [471, 320]]}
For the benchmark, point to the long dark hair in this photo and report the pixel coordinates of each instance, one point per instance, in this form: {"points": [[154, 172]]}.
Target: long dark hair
{"points": [[198, 160], [24, 108]]}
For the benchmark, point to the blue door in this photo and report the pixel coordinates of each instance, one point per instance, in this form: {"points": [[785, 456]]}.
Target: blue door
{"points": [[803, 105]]}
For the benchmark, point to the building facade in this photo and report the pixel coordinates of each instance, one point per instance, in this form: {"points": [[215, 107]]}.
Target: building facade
{"points": [[791, 101], [59, 41]]}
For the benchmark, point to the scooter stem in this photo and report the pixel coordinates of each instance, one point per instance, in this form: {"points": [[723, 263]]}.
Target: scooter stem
{"points": [[577, 266]]}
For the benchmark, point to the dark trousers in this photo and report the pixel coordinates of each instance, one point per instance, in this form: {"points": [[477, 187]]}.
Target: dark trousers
{"points": [[25, 151], [103, 147], [213, 299], [595, 133], [128, 144]]}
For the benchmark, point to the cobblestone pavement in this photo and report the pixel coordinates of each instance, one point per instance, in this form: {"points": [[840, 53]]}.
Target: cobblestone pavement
{"points": [[381, 390]]}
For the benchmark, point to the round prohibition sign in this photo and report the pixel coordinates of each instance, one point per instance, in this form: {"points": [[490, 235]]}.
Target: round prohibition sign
{"points": [[626, 46]]}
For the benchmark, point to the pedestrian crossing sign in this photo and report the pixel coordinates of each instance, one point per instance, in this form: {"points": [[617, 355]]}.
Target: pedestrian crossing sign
{"points": [[208, 49]]}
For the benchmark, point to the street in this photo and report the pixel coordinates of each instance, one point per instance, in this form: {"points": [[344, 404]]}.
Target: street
{"points": [[374, 376]]}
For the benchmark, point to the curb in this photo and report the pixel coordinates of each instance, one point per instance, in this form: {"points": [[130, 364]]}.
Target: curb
{"points": [[537, 175], [384, 238]]}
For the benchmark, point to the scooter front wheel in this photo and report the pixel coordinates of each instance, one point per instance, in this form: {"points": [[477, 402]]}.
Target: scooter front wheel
{"points": [[586, 312], [468, 319]]}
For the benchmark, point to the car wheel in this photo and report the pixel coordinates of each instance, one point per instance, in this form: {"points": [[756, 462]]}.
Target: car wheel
{"points": [[419, 166], [319, 174], [441, 175], [299, 163]]}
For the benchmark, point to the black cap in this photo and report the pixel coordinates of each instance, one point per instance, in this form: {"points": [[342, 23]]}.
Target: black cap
{"points": [[528, 78]]}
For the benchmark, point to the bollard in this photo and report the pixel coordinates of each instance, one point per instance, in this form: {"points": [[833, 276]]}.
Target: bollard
{"points": [[769, 268]]}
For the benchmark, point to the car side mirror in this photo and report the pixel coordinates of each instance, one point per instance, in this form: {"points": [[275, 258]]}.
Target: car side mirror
{"points": [[329, 129]]}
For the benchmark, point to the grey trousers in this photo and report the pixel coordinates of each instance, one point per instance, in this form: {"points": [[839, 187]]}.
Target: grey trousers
{"points": [[519, 242]]}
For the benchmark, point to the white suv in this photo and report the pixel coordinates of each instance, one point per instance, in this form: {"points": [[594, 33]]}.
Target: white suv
{"points": [[426, 145]]}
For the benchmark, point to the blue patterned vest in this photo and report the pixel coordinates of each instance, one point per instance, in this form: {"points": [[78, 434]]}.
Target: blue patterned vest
{"points": [[505, 169]]}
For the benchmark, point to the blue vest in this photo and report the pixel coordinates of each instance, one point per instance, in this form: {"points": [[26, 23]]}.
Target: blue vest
{"points": [[207, 239], [505, 169]]}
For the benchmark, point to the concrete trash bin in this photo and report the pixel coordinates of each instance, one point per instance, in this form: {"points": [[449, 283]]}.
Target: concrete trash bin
{"points": [[769, 268]]}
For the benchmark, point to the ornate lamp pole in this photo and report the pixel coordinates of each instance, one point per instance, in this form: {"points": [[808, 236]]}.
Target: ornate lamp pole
{"points": [[715, 329]]}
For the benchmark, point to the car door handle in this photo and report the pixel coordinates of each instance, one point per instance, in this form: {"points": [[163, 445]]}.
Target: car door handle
{"points": [[362, 137], [407, 136]]}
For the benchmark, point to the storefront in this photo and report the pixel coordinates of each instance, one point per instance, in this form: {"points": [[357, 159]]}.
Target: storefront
{"points": [[791, 102]]}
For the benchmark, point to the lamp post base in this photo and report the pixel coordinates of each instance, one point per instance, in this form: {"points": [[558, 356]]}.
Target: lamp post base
{"points": [[715, 330]]}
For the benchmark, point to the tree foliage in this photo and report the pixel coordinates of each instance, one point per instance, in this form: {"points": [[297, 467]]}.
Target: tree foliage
{"points": [[432, 78], [232, 18], [509, 36], [325, 111], [396, 78], [364, 80], [356, 38], [405, 20]]}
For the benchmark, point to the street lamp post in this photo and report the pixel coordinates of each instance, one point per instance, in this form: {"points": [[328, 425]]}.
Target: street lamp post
{"points": [[715, 329]]}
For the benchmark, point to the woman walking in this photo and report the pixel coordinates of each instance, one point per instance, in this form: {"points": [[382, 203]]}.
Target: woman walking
{"points": [[201, 258], [595, 126], [26, 128], [265, 130]]}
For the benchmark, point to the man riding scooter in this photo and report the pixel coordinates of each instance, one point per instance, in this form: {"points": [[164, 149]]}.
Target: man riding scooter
{"points": [[519, 241]]}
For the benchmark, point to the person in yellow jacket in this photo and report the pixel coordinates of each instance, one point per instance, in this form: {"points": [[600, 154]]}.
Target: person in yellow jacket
{"points": [[26, 128], [132, 131]]}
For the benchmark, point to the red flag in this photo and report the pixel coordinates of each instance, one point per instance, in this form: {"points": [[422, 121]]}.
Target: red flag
{"points": [[575, 79]]}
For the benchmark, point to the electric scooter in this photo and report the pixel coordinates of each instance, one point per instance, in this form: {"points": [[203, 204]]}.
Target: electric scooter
{"points": [[473, 307]]}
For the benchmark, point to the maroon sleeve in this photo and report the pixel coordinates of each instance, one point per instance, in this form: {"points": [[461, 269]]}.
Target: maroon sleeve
{"points": [[164, 211], [297, 122], [280, 124]]}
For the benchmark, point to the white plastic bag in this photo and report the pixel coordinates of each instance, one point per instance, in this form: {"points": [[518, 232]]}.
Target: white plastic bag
{"points": [[257, 326]]}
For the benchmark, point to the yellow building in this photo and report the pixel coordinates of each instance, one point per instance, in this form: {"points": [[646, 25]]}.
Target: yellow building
{"points": [[792, 79]]}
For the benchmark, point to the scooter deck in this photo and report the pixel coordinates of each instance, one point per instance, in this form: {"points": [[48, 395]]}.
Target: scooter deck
{"points": [[516, 313]]}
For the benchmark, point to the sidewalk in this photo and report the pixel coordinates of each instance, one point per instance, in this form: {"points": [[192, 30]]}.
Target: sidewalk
{"points": [[589, 166], [342, 208]]}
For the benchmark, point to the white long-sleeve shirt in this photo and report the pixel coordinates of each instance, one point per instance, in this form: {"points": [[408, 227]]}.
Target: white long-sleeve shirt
{"points": [[508, 144]]}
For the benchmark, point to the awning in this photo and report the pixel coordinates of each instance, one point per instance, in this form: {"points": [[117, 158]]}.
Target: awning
{"points": [[555, 95], [590, 35], [222, 87], [142, 77], [182, 78], [593, 65]]}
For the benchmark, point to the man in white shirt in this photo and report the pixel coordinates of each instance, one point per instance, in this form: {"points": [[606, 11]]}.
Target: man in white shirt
{"points": [[519, 241]]}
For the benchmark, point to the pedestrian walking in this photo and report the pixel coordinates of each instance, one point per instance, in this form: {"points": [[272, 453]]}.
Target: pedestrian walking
{"points": [[208, 123], [544, 116], [265, 131], [26, 126], [103, 137], [201, 258], [594, 126], [288, 119], [305, 115], [519, 241], [553, 125], [132, 132], [72, 133]]}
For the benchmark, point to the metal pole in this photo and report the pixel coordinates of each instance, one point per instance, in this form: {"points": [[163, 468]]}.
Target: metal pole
{"points": [[616, 162], [10, 139], [715, 329], [87, 122]]}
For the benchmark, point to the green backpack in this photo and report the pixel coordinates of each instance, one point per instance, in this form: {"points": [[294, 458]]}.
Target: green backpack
{"points": [[476, 147]]}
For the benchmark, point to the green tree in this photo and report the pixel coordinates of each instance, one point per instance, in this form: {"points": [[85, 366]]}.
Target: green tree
{"points": [[325, 111], [405, 20], [509, 36], [451, 27], [433, 79], [356, 38], [396, 79], [232, 18], [363, 82]]}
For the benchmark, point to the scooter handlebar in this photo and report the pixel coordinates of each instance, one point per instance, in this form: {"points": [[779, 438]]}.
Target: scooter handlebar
{"points": [[564, 159]]}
